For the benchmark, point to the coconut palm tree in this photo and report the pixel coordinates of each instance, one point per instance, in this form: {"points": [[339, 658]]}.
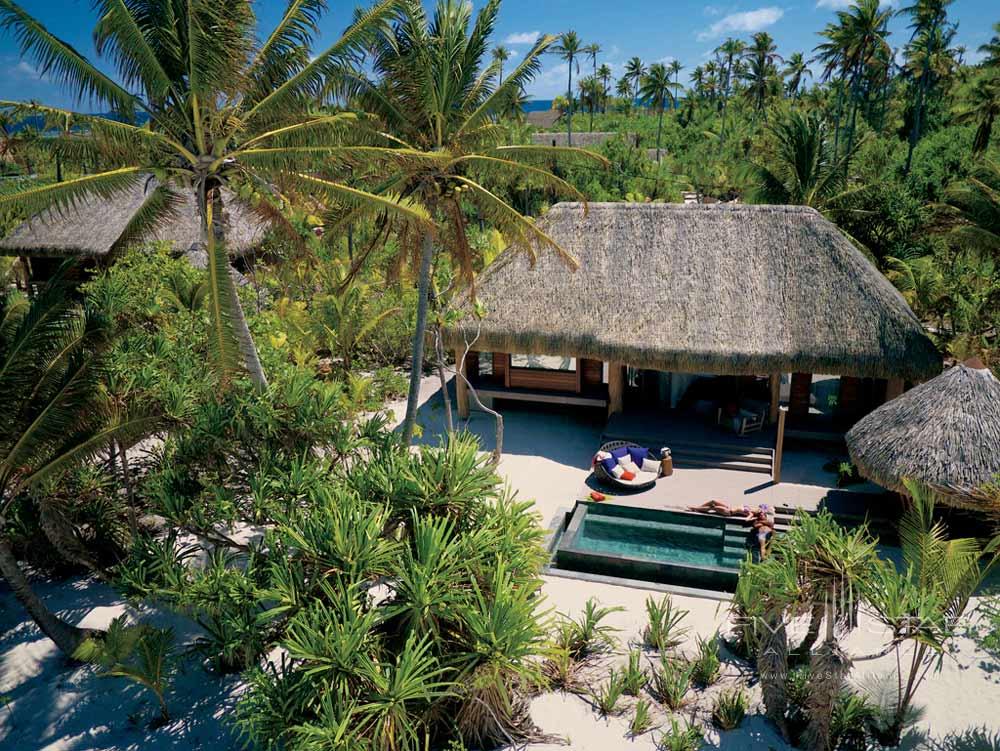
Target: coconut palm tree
{"points": [[604, 75], [802, 169], [974, 204], [590, 95], [55, 415], [429, 70], [657, 89], [569, 48], [928, 20], [634, 72], [624, 90], [796, 68], [500, 55], [760, 58], [592, 51], [991, 50], [982, 109], [223, 111]]}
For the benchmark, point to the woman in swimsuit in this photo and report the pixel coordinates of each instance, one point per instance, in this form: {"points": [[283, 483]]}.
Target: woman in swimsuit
{"points": [[723, 509], [763, 527]]}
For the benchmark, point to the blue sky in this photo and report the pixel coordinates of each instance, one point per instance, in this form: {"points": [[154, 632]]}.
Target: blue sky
{"points": [[652, 29]]}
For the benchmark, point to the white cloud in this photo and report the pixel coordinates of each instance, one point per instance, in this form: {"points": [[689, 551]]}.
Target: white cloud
{"points": [[24, 70], [833, 4], [523, 37], [751, 20], [712, 10]]}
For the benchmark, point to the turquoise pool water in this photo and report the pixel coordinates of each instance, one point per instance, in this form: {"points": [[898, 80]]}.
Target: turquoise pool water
{"points": [[670, 539], [653, 545]]}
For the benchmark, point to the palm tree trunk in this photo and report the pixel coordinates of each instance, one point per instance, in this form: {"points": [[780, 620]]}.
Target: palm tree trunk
{"points": [[659, 133], [57, 532], [66, 636], [772, 667], [449, 420], [812, 634], [423, 293], [251, 358], [569, 106], [828, 671]]}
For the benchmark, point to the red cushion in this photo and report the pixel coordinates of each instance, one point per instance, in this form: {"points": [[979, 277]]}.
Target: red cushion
{"points": [[626, 475]]}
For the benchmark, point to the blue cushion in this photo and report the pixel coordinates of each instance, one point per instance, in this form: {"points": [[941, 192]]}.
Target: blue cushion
{"points": [[619, 452], [638, 454], [610, 463]]}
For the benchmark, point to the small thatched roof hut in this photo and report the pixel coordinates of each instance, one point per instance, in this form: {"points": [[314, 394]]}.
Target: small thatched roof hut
{"points": [[729, 289], [582, 140], [543, 118], [944, 433], [96, 228]]}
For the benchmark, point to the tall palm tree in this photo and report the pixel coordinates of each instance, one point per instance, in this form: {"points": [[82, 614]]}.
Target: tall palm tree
{"points": [[974, 204], [634, 72], [429, 92], [760, 58], [223, 111], [730, 51], [675, 69], [624, 90], [592, 51], [604, 74], [796, 68], [991, 50], [657, 89], [928, 19], [569, 48], [982, 109], [55, 415], [590, 95], [500, 55]]}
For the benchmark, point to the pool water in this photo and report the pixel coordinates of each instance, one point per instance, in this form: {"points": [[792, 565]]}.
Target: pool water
{"points": [[653, 545], [668, 540]]}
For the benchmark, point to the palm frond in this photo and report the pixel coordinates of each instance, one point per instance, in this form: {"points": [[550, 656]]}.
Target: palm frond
{"points": [[58, 59], [160, 207], [118, 34], [65, 195], [387, 204], [223, 345]]}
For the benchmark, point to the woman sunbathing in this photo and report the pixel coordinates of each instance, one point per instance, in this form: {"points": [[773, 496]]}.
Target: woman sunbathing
{"points": [[763, 527], [723, 509]]}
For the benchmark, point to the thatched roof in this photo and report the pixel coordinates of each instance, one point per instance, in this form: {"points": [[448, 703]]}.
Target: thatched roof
{"points": [[582, 140], [944, 433], [93, 227], [730, 289], [543, 118]]}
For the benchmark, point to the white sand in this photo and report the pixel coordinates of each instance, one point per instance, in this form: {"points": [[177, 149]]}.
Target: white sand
{"points": [[52, 707]]}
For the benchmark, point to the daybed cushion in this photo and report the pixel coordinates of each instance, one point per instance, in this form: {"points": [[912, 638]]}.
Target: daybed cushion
{"points": [[650, 465], [638, 454], [617, 472], [619, 452], [609, 464], [627, 476]]}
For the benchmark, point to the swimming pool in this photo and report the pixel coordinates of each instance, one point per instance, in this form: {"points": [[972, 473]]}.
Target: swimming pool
{"points": [[667, 547]]}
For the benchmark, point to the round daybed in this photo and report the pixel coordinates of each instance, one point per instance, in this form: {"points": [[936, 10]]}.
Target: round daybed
{"points": [[642, 481]]}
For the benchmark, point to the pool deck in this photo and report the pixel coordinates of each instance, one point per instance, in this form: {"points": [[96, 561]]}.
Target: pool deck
{"points": [[547, 452]]}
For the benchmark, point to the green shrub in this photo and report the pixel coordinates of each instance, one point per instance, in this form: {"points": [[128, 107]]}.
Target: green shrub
{"points": [[669, 683], [138, 653], [633, 676], [680, 737], [608, 694], [642, 720], [706, 664], [730, 708], [585, 635], [663, 630]]}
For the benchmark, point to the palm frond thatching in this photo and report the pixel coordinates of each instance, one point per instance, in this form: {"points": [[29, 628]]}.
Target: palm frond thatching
{"points": [[729, 289], [943, 434], [93, 226]]}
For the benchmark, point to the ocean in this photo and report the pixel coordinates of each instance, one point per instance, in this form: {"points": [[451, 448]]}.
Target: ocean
{"points": [[538, 105]]}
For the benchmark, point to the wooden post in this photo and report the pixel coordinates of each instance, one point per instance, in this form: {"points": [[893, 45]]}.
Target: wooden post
{"points": [[461, 388], [893, 388], [799, 395], [779, 446], [616, 387], [775, 383]]}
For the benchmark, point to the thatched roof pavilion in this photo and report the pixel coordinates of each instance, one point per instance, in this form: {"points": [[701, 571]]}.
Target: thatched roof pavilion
{"points": [[728, 289], [944, 433], [95, 228]]}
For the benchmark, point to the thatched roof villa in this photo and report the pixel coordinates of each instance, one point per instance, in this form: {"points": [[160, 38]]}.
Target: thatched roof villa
{"points": [[943, 434], [96, 229], [776, 298], [581, 140]]}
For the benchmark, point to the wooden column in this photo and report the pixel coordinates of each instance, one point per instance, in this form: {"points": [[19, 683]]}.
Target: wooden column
{"points": [[461, 388], [849, 401], [779, 446], [616, 387], [775, 383], [893, 388], [798, 400]]}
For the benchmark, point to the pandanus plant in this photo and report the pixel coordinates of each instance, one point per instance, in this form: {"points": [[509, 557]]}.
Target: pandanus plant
{"points": [[221, 110]]}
